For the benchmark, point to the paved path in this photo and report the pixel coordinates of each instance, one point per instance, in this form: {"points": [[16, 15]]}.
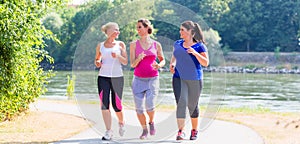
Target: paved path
{"points": [[218, 132]]}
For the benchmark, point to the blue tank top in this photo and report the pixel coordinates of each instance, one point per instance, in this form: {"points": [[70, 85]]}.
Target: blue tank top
{"points": [[187, 66]]}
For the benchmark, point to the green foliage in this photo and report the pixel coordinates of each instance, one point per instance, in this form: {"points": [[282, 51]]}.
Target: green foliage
{"points": [[52, 22], [71, 86], [126, 15], [166, 27], [248, 110], [21, 43], [212, 39], [226, 49], [256, 25], [213, 10], [77, 26], [190, 4], [250, 66], [295, 67], [277, 52], [251, 25]]}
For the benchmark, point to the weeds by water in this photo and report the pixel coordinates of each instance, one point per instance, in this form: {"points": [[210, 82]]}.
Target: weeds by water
{"points": [[71, 86]]}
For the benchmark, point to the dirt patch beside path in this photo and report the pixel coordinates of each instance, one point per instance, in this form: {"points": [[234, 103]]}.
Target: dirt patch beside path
{"points": [[41, 127], [275, 128]]}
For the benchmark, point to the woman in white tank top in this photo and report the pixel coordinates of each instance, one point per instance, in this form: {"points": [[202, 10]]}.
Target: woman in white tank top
{"points": [[110, 66], [110, 56]]}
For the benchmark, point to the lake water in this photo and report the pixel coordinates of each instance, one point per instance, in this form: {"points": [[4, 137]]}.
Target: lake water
{"points": [[277, 92]]}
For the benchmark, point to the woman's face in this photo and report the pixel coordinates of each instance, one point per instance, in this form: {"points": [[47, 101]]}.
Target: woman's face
{"points": [[141, 29], [184, 33], [113, 32]]}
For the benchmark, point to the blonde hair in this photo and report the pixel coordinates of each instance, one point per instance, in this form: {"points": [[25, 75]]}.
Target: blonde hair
{"points": [[107, 26]]}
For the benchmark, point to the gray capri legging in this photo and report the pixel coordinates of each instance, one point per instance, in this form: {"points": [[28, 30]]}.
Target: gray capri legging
{"points": [[144, 88], [187, 94]]}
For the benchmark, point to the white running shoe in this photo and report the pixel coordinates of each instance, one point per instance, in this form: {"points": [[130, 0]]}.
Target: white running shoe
{"points": [[108, 135], [121, 129]]}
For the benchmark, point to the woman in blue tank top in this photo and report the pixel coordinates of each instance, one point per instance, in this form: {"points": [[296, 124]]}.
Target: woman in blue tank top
{"points": [[189, 54]]}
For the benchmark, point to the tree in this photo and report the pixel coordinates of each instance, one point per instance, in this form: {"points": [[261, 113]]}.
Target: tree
{"points": [[213, 10], [61, 25], [125, 14], [77, 26], [53, 22], [240, 27], [191, 4], [256, 25], [21, 43], [167, 28], [281, 25]]}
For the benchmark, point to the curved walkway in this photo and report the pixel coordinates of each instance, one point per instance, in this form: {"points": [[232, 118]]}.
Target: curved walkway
{"points": [[219, 132]]}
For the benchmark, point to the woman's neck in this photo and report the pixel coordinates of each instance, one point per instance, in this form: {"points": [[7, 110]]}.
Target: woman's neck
{"points": [[188, 41], [145, 39], [110, 40]]}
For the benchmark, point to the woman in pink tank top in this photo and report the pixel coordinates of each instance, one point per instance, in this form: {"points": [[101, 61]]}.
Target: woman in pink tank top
{"points": [[145, 84]]}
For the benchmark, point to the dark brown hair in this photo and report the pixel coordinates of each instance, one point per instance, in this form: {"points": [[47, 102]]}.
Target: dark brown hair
{"points": [[196, 30], [146, 23]]}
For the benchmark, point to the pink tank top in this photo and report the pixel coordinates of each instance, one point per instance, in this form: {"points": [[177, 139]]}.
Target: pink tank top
{"points": [[144, 69]]}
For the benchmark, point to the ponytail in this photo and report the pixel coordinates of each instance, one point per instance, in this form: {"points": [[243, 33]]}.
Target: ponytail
{"points": [[198, 34], [196, 31]]}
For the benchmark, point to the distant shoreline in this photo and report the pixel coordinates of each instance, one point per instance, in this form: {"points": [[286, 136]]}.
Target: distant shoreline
{"points": [[252, 69], [248, 62]]}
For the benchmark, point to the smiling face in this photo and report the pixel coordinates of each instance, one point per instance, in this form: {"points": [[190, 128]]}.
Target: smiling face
{"points": [[113, 31], [141, 29], [184, 33]]}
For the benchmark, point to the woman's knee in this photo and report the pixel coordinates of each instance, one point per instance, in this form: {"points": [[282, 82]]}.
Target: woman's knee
{"points": [[194, 113]]}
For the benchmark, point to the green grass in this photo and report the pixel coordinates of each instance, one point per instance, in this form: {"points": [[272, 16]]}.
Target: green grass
{"points": [[248, 110], [169, 108]]}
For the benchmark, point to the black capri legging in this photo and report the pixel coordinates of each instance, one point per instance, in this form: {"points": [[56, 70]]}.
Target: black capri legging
{"points": [[113, 86], [187, 94]]}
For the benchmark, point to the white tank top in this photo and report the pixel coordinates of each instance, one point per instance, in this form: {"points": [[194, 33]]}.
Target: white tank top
{"points": [[111, 67]]}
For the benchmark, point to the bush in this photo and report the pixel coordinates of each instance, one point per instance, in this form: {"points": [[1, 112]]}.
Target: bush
{"points": [[21, 43], [212, 39]]}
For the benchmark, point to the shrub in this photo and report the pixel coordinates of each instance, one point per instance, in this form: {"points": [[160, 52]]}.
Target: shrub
{"points": [[21, 43]]}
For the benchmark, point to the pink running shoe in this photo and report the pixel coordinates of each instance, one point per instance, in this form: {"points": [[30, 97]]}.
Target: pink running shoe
{"points": [[152, 129], [180, 135], [194, 134], [144, 134]]}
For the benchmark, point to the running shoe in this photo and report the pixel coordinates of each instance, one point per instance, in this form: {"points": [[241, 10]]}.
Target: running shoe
{"points": [[144, 134], [121, 129], [194, 134], [108, 135], [152, 129], [180, 135]]}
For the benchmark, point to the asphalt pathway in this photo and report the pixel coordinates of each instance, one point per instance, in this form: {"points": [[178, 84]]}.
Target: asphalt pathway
{"points": [[218, 132]]}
